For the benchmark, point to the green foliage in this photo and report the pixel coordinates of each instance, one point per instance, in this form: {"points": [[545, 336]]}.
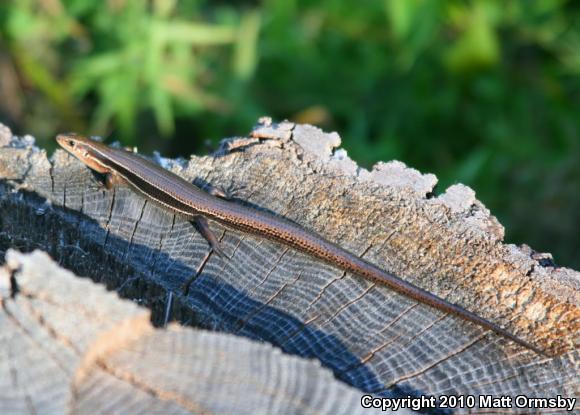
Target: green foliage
{"points": [[483, 92], [126, 58]]}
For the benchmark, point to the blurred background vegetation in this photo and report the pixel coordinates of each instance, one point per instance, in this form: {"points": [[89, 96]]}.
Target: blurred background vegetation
{"points": [[481, 92]]}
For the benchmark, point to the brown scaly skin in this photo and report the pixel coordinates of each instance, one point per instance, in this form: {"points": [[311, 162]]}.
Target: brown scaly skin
{"points": [[183, 198]]}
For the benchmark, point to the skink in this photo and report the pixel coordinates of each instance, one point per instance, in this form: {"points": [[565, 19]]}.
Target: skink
{"points": [[186, 199]]}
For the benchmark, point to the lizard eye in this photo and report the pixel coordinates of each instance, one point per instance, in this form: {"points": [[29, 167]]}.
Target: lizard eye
{"points": [[71, 143]]}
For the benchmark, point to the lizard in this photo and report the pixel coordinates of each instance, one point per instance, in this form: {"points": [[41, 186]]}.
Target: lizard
{"points": [[186, 199]]}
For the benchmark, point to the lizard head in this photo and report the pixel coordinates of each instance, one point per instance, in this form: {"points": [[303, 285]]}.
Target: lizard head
{"points": [[82, 148], [75, 144]]}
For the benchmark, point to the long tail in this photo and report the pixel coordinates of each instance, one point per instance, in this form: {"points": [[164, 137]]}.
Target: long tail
{"points": [[289, 233]]}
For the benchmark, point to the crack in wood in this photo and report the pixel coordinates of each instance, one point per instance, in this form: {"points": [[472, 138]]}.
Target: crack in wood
{"points": [[186, 286], [368, 358], [307, 322], [135, 226], [51, 175], [29, 335], [51, 330], [240, 239], [55, 303], [436, 363], [183, 245], [372, 353], [160, 245], [270, 271], [164, 395], [347, 304], [506, 359], [282, 342], [110, 216], [392, 341], [332, 281], [266, 303]]}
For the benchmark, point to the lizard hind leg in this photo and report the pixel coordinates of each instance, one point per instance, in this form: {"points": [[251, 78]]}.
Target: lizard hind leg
{"points": [[202, 227]]}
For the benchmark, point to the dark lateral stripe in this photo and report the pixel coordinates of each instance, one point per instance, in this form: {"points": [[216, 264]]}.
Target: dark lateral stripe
{"points": [[145, 187]]}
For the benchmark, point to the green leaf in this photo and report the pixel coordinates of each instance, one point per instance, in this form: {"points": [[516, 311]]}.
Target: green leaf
{"points": [[478, 46], [163, 111], [245, 59], [199, 34], [401, 15]]}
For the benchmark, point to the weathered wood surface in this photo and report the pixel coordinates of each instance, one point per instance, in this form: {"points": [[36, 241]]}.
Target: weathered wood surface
{"points": [[370, 337], [71, 347]]}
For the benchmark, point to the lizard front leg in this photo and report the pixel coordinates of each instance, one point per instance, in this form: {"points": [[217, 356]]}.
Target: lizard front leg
{"points": [[202, 227]]}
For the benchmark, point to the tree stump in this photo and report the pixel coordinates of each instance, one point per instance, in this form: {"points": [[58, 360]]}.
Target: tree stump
{"points": [[371, 338], [74, 348]]}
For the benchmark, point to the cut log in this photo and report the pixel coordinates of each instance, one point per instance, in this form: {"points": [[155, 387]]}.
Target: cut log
{"points": [[74, 348], [370, 337]]}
